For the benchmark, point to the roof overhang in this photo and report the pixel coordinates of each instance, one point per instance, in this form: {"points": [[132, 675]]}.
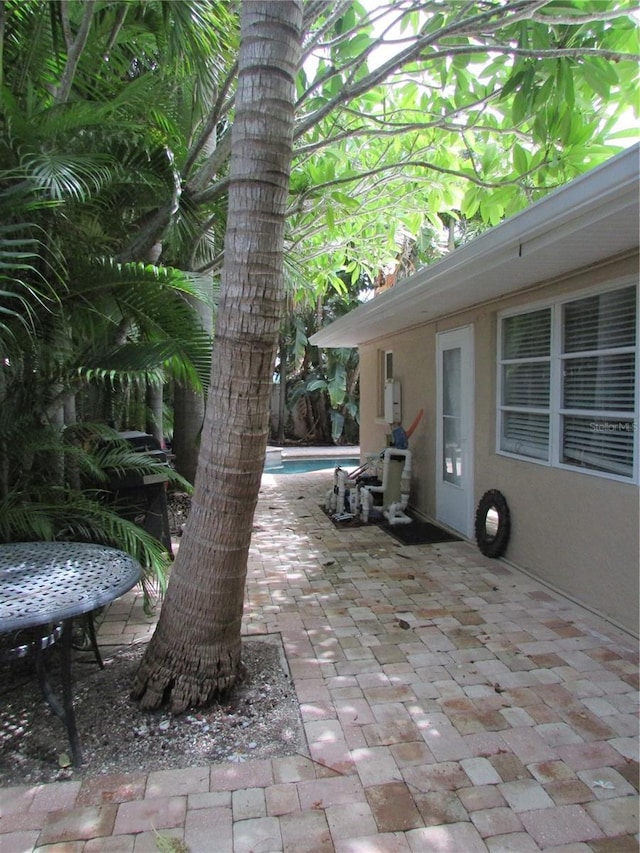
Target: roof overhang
{"points": [[582, 224]]}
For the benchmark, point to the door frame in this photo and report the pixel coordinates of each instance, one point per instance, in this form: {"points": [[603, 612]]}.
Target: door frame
{"points": [[454, 503]]}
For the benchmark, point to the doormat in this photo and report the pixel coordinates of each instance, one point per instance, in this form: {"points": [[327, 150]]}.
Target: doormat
{"points": [[419, 533]]}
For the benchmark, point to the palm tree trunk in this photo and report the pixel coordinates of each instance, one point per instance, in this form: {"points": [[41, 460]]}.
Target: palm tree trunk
{"points": [[189, 409], [188, 417], [72, 470], [195, 652], [155, 412]]}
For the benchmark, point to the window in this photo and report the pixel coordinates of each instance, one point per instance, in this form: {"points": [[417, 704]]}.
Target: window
{"points": [[451, 415], [526, 383], [568, 375], [385, 372]]}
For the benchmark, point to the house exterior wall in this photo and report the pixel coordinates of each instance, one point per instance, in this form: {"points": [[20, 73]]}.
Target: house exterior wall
{"points": [[577, 531]]}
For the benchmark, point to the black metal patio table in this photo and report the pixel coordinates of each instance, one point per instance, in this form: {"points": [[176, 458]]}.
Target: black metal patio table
{"points": [[44, 586]]}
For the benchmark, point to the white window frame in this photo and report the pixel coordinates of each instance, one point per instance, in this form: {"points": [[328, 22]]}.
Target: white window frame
{"points": [[556, 411]]}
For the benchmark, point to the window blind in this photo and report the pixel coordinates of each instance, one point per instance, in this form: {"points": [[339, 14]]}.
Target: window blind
{"points": [[527, 335], [526, 378], [526, 434], [599, 445], [605, 321], [588, 402], [599, 381]]}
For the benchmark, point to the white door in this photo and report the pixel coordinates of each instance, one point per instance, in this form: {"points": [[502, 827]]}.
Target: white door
{"points": [[454, 432]]}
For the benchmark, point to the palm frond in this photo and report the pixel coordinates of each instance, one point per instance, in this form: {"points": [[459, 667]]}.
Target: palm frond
{"points": [[168, 332], [25, 292], [67, 515], [75, 176], [117, 458]]}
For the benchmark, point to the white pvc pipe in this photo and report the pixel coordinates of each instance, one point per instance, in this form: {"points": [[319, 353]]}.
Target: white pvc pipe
{"points": [[341, 489], [366, 501], [395, 511], [342, 481], [395, 514], [406, 471]]}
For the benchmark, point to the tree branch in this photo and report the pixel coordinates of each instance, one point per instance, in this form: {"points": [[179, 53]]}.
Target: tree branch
{"points": [[211, 193], [573, 20], [385, 127], [402, 166], [312, 13], [115, 31], [212, 164], [476, 25], [74, 48], [66, 23], [344, 37], [541, 53]]}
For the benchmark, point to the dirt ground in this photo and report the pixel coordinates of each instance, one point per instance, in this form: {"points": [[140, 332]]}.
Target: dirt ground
{"points": [[259, 719]]}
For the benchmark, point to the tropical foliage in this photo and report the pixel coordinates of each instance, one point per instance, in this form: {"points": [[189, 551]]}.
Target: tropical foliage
{"points": [[115, 144], [410, 116], [83, 335], [407, 111], [321, 386], [419, 124]]}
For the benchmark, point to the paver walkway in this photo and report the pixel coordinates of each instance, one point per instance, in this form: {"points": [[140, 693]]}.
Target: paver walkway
{"points": [[450, 704]]}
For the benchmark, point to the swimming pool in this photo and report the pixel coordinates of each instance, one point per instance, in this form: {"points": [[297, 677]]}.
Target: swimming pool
{"points": [[305, 466]]}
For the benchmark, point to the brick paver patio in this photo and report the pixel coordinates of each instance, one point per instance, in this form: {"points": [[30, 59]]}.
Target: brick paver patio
{"points": [[450, 704]]}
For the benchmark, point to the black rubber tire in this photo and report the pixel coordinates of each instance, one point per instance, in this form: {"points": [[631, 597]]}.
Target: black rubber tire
{"points": [[496, 544]]}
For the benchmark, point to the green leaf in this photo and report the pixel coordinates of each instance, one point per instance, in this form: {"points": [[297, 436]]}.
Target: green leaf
{"points": [[346, 22], [520, 159], [519, 106], [470, 203], [489, 157], [347, 201], [566, 89], [331, 223], [565, 127], [359, 44], [491, 213], [514, 82], [596, 78], [543, 93], [540, 128]]}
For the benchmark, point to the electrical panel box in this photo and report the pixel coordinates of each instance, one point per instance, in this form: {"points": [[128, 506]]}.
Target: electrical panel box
{"points": [[392, 402]]}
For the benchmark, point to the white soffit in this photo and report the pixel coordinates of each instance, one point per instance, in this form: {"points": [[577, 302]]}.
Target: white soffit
{"points": [[583, 223]]}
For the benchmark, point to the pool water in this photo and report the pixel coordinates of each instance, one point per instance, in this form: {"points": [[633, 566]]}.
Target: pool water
{"points": [[305, 466]]}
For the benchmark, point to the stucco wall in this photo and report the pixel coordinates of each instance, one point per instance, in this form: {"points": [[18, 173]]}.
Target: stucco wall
{"points": [[576, 531]]}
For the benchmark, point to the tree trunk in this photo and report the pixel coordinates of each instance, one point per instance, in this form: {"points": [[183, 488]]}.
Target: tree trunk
{"points": [[72, 469], [195, 652], [155, 412], [188, 418], [189, 409]]}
